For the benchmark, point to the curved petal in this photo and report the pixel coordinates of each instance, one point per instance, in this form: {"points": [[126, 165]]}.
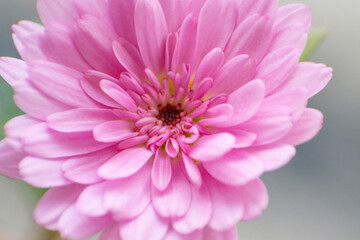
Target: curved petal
{"points": [[146, 226], [91, 200], [212, 147], [230, 234], [174, 235], [79, 119], [175, 200], [151, 32], [43, 173], [114, 131], [125, 163], [235, 168], [9, 160]]}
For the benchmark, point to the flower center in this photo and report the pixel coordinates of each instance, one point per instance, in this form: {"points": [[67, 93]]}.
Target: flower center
{"points": [[169, 114]]}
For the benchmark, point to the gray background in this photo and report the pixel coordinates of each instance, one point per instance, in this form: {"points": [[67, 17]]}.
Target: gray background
{"points": [[316, 196]]}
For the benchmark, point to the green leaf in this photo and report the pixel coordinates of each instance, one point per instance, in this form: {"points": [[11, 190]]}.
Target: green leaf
{"points": [[316, 37]]}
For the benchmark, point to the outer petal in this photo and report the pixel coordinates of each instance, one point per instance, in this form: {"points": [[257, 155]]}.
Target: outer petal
{"points": [[13, 70], [255, 199], [125, 163], [79, 119], [175, 12], [294, 13], [83, 169], [53, 204], [252, 37], [313, 77], [217, 20], [9, 160], [91, 200], [112, 232], [43, 173], [76, 226], [41, 141], [114, 131], [151, 31], [247, 8], [146, 226], [127, 198], [235, 168], [305, 128], [63, 82], [199, 212], [227, 202], [212, 147], [57, 10], [210, 234], [174, 235], [175, 200]]}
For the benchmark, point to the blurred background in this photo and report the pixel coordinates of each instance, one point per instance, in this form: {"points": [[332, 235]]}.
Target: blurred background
{"points": [[316, 196]]}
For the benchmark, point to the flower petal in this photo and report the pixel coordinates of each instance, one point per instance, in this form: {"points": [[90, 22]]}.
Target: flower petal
{"points": [[146, 226], [251, 37], [161, 171], [210, 234], [174, 235], [125, 163], [41, 141], [199, 212], [175, 200], [212, 147], [128, 197], [114, 131], [91, 200], [118, 94], [79, 119], [192, 170], [255, 198], [53, 204], [9, 160], [151, 32], [43, 173]]}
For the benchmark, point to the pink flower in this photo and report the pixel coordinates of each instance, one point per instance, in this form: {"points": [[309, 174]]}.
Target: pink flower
{"points": [[154, 119]]}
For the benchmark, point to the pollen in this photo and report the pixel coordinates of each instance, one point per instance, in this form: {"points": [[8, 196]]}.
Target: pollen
{"points": [[170, 115]]}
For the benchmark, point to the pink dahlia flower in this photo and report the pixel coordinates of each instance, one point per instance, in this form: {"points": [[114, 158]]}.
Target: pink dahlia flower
{"points": [[154, 119]]}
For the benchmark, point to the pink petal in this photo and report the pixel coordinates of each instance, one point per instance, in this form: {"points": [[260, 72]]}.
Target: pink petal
{"points": [[255, 198], [294, 13], [161, 171], [243, 138], [79, 119], [293, 35], [313, 77], [175, 12], [59, 50], [172, 147], [175, 200], [13, 70], [53, 204], [245, 101], [295, 98], [74, 225], [174, 235], [91, 85], [277, 67], [125, 163], [216, 23], [35, 103], [111, 232], [234, 74], [43, 173], [267, 8], [57, 10], [83, 169], [212, 147], [91, 200], [41, 141], [147, 226], [228, 207], [94, 42], [210, 234], [269, 124], [235, 168], [129, 57], [209, 65], [216, 116], [251, 37], [273, 156], [127, 198], [305, 128], [118, 94], [192, 170], [9, 160], [185, 47], [151, 31], [63, 82], [15, 128], [199, 213], [114, 131]]}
